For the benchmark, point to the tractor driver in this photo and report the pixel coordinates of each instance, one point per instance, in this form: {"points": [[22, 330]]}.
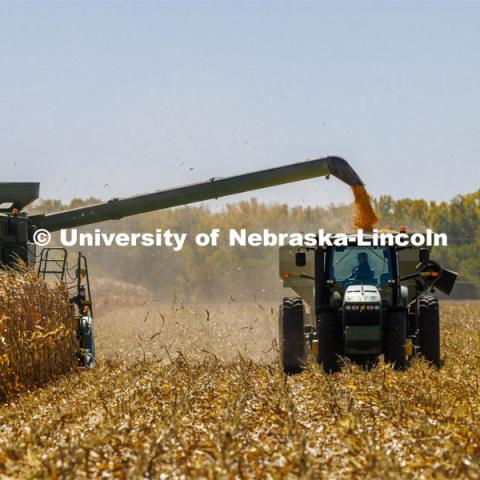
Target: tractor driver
{"points": [[362, 271]]}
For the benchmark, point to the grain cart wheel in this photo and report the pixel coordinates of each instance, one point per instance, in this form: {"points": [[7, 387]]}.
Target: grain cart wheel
{"points": [[394, 338], [329, 336], [429, 329], [291, 335]]}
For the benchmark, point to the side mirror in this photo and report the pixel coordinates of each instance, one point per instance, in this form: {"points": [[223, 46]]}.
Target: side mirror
{"points": [[300, 259], [446, 281]]}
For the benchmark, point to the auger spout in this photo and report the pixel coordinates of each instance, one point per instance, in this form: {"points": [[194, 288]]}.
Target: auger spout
{"points": [[214, 188]]}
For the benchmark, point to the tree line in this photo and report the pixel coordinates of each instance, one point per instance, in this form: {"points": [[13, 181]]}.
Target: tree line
{"points": [[251, 273]]}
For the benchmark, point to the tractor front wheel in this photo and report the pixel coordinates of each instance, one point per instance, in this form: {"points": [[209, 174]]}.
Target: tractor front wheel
{"points": [[394, 338], [329, 336], [291, 335]]}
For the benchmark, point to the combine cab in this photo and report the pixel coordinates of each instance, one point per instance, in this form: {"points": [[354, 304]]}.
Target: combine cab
{"points": [[360, 302]]}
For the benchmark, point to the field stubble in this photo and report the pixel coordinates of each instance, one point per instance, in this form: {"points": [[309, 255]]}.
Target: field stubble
{"points": [[195, 392]]}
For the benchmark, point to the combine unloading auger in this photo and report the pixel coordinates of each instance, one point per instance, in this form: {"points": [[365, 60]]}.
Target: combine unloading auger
{"points": [[213, 188]]}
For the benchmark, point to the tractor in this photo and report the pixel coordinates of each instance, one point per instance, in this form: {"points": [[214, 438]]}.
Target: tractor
{"points": [[359, 303]]}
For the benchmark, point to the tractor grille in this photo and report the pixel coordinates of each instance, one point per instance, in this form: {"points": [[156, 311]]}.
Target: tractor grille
{"points": [[362, 316]]}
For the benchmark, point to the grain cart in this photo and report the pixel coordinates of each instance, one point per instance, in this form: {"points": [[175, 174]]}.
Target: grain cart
{"points": [[18, 229], [360, 302]]}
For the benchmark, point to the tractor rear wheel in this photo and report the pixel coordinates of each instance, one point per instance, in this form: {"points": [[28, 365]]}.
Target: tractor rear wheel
{"points": [[394, 338], [291, 335], [429, 329], [329, 336]]}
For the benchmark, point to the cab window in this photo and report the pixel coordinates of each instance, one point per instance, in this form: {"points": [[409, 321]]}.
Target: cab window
{"points": [[361, 266]]}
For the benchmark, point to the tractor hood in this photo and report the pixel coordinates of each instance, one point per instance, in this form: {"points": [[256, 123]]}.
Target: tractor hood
{"points": [[357, 294]]}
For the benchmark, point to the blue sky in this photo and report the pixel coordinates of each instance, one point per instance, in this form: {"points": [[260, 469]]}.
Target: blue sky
{"points": [[112, 99]]}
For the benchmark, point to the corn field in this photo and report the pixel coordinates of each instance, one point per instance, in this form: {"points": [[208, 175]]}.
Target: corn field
{"points": [[37, 332], [192, 402]]}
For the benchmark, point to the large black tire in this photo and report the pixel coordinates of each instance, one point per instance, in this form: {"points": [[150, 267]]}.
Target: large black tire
{"points": [[429, 329], [329, 335], [291, 335], [394, 338]]}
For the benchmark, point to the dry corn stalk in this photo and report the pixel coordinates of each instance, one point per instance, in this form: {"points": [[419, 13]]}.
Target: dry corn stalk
{"points": [[37, 331]]}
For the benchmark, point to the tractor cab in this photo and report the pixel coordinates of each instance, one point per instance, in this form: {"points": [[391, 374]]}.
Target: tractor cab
{"points": [[354, 268]]}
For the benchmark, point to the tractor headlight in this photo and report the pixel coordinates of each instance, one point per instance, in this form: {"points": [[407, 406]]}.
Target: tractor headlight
{"points": [[370, 307], [355, 307], [348, 307], [377, 307]]}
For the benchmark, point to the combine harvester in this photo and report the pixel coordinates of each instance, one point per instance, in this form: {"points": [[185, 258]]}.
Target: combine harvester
{"points": [[18, 228]]}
